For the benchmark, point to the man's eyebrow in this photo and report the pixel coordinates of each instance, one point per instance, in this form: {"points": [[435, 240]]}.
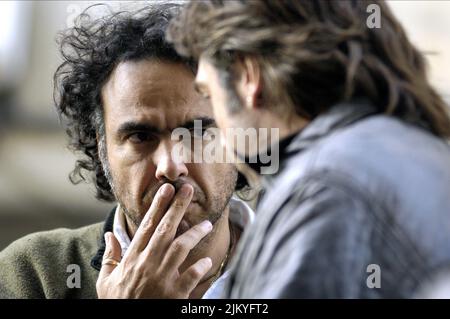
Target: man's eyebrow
{"points": [[206, 122], [129, 127]]}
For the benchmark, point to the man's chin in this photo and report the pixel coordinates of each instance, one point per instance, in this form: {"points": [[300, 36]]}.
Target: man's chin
{"points": [[189, 219]]}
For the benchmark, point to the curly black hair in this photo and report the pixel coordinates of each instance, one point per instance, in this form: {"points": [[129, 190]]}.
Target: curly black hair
{"points": [[90, 51]]}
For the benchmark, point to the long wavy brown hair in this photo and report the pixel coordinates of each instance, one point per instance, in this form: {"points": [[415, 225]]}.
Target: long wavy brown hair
{"points": [[316, 53]]}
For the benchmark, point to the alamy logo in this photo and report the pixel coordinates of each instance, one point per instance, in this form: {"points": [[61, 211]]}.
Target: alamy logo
{"points": [[374, 279], [210, 145], [374, 19], [74, 279]]}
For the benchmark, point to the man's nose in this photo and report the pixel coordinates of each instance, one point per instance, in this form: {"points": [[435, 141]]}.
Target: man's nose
{"points": [[168, 167]]}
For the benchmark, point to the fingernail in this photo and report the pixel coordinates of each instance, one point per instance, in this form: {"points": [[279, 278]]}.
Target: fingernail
{"points": [[206, 225], [165, 190]]}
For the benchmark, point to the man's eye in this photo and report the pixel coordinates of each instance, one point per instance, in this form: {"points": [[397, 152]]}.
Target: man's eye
{"points": [[140, 137]]}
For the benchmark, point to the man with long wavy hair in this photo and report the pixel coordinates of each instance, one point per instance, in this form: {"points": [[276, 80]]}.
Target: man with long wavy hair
{"points": [[360, 207]]}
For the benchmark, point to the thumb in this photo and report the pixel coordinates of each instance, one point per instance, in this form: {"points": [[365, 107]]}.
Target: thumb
{"points": [[113, 251]]}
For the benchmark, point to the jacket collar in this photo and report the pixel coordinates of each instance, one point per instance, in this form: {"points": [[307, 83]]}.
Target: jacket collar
{"points": [[96, 261], [337, 117]]}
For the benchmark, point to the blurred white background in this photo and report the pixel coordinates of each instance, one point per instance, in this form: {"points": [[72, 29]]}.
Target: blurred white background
{"points": [[35, 193]]}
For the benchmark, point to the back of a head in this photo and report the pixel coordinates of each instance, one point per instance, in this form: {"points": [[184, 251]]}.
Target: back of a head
{"points": [[316, 53]]}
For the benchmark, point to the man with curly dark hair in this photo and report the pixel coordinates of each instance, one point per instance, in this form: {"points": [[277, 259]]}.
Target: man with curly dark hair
{"points": [[121, 91]]}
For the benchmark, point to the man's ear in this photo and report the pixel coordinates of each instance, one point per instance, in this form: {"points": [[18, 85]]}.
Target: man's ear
{"points": [[250, 83]]}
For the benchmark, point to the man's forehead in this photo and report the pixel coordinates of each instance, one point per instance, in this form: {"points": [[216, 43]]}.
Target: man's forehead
{"points": [[150, 79], [160, 118], [157, 93]]}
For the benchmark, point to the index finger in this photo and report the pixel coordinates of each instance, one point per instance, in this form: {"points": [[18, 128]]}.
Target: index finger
{"points": [[166, 230], [152, 218]]}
